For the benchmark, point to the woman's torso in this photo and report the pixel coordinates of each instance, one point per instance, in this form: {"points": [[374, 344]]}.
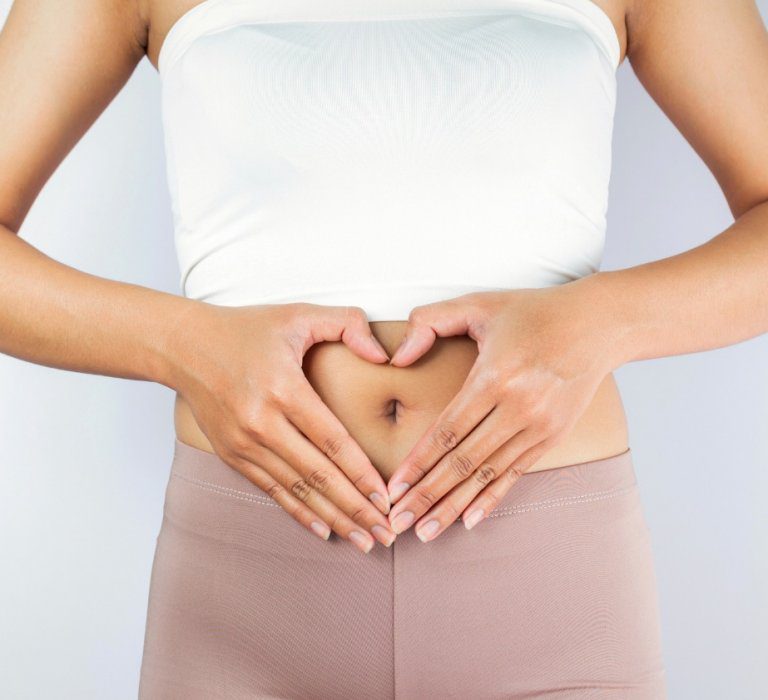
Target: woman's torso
{"points": [[386, 409]]}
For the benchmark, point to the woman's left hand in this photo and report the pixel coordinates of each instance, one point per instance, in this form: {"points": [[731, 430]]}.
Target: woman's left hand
{"points": [[542, 353]]}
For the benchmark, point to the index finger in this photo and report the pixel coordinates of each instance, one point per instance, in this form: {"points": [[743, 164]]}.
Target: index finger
{"points": [[310, 414], [462, 414]]}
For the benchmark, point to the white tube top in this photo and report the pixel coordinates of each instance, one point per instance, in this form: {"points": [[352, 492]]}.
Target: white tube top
{"points": [[386, 153]]}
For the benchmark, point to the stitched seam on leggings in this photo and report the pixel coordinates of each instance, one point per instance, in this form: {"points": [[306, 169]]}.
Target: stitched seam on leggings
{"points": [[521, 508], [394, 620], [566, 500], [227, 491]]}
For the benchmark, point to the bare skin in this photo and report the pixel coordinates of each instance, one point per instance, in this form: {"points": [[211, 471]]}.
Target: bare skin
{"points": [[57, 73], [386, 409]]}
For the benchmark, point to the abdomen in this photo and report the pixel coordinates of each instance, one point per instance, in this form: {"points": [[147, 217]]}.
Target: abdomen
{"points": [[387, 409]]}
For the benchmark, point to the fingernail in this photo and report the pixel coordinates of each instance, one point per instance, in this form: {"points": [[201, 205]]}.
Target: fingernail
{"points": [[381, 502], [321, 529], [402, 347], [376, 342], [397, 490], [402, 521], [428, 530], [473, 518], [383, 535], [361, 540]]}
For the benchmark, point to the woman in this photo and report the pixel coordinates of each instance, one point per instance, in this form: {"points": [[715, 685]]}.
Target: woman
{"points": [[346, 177]]}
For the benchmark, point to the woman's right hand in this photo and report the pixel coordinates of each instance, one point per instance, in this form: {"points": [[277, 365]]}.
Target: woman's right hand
{"points": [[240, 370]]}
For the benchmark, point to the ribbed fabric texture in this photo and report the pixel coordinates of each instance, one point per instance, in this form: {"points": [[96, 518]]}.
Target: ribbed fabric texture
{"points": [[387, 154], [552, 596]]}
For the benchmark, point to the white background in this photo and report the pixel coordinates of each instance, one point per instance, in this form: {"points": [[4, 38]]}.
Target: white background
{"points": [[84, 459]]}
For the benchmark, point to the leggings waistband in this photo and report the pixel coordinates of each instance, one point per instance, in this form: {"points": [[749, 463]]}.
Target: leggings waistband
{"points": [[581, 482]]}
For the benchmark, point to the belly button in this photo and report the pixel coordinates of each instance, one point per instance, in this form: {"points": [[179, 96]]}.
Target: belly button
{"points": [[392, 409]]}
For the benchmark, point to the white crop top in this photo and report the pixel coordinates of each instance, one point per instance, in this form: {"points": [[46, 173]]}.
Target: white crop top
{"points": [[386, 153]]}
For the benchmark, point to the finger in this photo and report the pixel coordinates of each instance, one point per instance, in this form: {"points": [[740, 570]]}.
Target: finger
{"points": [[292, 505], [350, 325], [454, 503], [490, 497], [455, 467], [425, 323], [274, 476], [321, 474], [310, 414], [450, 507], [466, 409]]}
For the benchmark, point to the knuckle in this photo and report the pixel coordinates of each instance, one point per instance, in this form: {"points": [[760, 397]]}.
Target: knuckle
{"points": [[528, 407], [242, 443], [415, 314], [356, 314], [253, 417], [445, 436], [461, 465], [511, 387], [451, 510], [277, 394], [424, 498], [358, 515], [274, 490], [514, 472], [547, 422], [485, 474], [255, 430], [333, 446], [417, 472], [333, 522], [301, 489], [319, 480]]}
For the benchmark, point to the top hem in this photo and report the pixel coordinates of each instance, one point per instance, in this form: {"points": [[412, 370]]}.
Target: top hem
{"points": [[382, 304], [211, 16]]}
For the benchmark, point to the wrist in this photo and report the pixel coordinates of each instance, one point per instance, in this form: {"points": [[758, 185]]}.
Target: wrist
{"points": [[176, 347], [599, 296]]}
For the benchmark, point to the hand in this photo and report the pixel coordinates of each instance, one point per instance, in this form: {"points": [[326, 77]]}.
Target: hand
{"points": [[541, 357], [240, 369]]}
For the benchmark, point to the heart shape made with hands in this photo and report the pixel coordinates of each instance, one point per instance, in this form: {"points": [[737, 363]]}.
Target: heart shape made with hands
{"points": [[538, 362]]}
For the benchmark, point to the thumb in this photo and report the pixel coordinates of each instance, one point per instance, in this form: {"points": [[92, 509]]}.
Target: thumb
{"points": [[356, 334], [425, 324], [348, 324]]}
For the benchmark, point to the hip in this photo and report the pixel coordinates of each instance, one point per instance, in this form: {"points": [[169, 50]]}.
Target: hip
{"points": [[554, 595]]}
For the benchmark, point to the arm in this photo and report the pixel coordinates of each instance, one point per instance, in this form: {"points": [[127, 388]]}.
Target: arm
{"points": [[705, 63], [543, 352], [60, 66], [55, 315], [59, 69]]}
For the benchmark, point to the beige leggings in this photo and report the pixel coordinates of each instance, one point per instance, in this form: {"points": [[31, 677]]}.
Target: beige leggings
{"points": [[552, 596]]}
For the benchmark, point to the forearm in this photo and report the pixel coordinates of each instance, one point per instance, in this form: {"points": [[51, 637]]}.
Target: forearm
{"points": [[711, 296], [52, 314]]}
